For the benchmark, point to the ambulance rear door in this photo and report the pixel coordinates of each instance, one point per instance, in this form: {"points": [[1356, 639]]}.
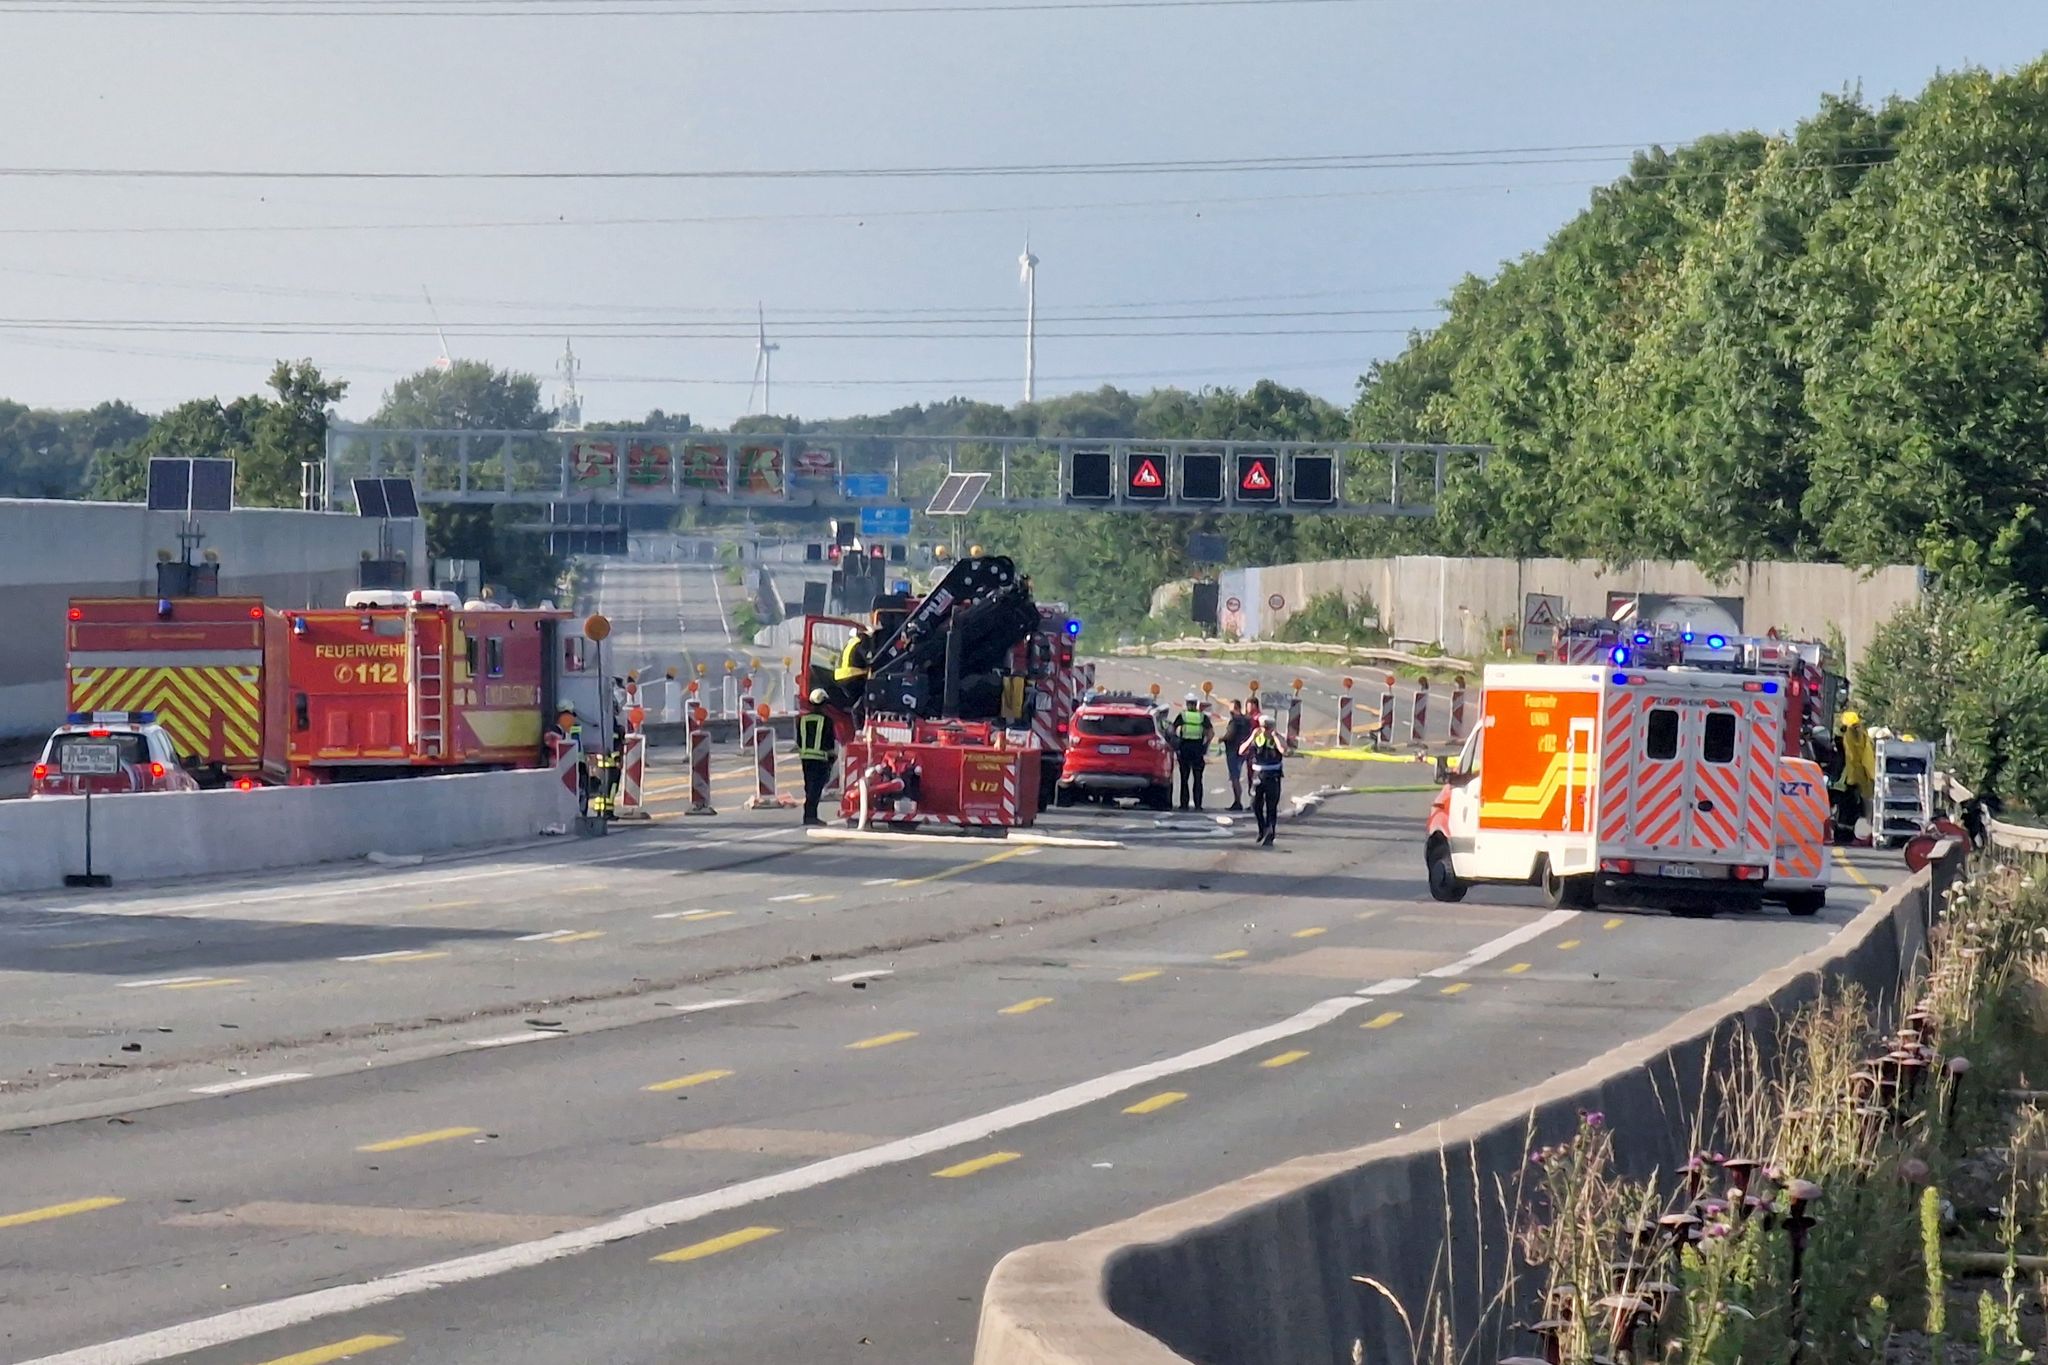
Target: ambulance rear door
{"points": [[1705, 774]]}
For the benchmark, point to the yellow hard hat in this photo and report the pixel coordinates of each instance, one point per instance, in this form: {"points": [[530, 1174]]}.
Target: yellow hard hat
{"points": [[1851, 718]]}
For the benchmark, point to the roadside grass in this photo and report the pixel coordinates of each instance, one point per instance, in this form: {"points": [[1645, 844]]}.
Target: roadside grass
{"points": [[1855, 1193]]}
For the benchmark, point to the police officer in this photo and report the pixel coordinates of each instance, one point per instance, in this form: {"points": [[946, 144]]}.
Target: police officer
{"points": [[816, 742], [1192, 731], [1264, 752]]}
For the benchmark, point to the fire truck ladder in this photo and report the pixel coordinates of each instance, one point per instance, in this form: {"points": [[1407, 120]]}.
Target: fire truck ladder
{"points": [[426, 692]]}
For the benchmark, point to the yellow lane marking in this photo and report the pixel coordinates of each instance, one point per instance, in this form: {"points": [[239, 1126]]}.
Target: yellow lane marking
{"points": [[44, 1215], [340, 1350], [695, 916], [881, 1040], [1381, 1020], [1855, 873], [1309, 933], [980, 1163], [453, 905], [1157, 1102], [419, 1139], [1614, 924], [1233, 955], [992, 858], [1456, 988], [418, 955], [202, 985], [1365, 914], [92, 943], [1567, 945], [685, 1082], [1518, 969], [1129, 977], [1283, 1059], [583, 889], [697, 1251], [583, 937], [1026, 1006]]}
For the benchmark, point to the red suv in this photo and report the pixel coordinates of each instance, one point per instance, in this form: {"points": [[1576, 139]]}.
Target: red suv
{"points": [[1115, 748]]}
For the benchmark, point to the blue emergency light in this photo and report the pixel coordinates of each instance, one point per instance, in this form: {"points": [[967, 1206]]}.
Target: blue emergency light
{"points": [[1717, 642], [163, 606], [1619, 656], [1073, 627], [1642, 639], [1686, 636]]}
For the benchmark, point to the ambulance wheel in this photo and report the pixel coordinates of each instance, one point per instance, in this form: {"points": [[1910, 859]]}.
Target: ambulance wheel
{"points": [[1804, 903], [1444, 883], [1566, 893], [1157, 798]]}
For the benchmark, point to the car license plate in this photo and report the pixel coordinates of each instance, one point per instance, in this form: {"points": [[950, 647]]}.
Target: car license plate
{"points": [[1678, 870], [1116, 748]]}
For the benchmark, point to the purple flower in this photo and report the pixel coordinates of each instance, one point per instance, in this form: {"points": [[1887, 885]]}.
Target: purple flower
{"points": [[1716, 1230], [1594, 1118]]}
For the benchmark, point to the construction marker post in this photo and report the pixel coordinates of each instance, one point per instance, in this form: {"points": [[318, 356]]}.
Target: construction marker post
{"points": [[1294, 717], [765, 796], [632, 798], [700, 762], [1458, 707], [1418, 721], [746, 709], [1344, 716], [1383, 732]]}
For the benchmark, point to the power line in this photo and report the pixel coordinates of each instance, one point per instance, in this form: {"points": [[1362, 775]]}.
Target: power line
{"points": [[143, 327], [390, 9], [1331, 162]]}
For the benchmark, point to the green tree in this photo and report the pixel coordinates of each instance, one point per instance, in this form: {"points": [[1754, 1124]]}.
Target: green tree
{"points": [[268, 438]]}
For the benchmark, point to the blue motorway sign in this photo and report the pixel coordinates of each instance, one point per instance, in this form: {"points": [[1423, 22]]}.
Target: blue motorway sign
{"points": [[864, 485], [893, 522]]}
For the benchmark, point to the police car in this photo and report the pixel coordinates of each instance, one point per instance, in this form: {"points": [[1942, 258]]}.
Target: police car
{"points": [[147, 759]]}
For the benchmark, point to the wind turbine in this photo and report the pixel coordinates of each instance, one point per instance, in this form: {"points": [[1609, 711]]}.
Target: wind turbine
{"points": [[444, 363], [1028, 264], [764, 365]]}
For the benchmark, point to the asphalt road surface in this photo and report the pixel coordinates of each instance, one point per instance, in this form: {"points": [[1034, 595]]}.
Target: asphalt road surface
{"points": [[711, 1089]]}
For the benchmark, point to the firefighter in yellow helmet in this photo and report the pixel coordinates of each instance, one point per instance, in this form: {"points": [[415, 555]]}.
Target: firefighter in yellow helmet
{"points": [[1857, 784], [816, 743]]}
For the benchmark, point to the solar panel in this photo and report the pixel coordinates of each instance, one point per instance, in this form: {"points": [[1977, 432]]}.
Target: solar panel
{"points": [[370, 501], [957, 495], [170, 485], [213, 485], [400, 498]]}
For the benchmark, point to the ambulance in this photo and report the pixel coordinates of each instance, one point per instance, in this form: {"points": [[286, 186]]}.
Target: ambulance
{"points": [[1617, 783]]}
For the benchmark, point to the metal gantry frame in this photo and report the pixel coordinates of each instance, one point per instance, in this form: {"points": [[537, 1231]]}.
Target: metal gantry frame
{"points": [[772, 470]]}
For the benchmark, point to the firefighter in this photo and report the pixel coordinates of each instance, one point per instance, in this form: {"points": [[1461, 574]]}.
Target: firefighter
{"points": [[1859, 777], [1192, 732], [1264, 752], [1236, 731], [850, 678], [816, 743]]}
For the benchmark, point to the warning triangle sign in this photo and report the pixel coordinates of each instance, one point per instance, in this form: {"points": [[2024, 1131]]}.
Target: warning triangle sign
{"points": [[1541, 614], [1147, 476], [1256, 479]]}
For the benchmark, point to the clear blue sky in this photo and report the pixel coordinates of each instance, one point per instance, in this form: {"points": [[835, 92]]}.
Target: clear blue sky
{"points": [[832, 256]]}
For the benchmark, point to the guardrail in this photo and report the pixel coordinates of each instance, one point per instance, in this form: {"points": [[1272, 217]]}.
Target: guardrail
{"points": [[1363, 653], [2001, 834]]}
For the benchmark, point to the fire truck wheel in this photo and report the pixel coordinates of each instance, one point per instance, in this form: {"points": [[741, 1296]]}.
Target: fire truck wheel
{"points": [[1566, 893], [1444, 884], [1804, 903]]}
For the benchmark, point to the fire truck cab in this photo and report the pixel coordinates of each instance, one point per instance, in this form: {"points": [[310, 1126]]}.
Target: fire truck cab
{"points": [[1620, 783]]}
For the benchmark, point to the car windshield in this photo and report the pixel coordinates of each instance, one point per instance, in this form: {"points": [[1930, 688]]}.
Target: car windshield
{"points": [[129, 744], [1114, 726]]}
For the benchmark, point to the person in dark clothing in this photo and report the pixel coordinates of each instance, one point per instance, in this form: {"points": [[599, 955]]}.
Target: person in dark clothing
{"points": [[1236, 731], [816, 743], [1264, 752], [1192, 732]]}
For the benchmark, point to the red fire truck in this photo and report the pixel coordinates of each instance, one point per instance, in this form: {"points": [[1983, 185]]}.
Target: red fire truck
{"points": [[969, 694], [391, 684]]}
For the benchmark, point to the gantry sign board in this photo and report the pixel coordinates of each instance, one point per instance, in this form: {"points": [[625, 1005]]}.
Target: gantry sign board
{"points": [[845, 471]]}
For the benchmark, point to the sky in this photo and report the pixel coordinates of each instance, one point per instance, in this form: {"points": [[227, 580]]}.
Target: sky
{"points": [[1467, 131]]}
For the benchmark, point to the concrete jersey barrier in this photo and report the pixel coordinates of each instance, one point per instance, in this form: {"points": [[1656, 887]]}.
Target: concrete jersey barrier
{"points": [[191, 834], [1260, 1270]]}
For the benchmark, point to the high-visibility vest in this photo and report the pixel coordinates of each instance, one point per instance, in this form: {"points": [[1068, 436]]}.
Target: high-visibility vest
{"points": [[850, 666], [1192, 723], [813, 730], [1265, 753]]}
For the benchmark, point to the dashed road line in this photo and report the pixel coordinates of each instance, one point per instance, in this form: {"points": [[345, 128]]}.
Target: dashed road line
{"points": [[1381, 1020], [395, 955], [695, 1078], [1315, 932], [1130, 978], [204, 983], [1155, 1103], [583, 936], [509, 1039], [848, 978], [160, 981], [1568, 945], [990, 860], [975, 1165], [1456, 988], [51, 1211], [251, 1083], [340, 1350], [697, 1251], [701, 1006], [1026, 1006], [1614, 924], [1517, 969], [1279, 1060], [881, 1040], [399, 1144], [1233, 955]]}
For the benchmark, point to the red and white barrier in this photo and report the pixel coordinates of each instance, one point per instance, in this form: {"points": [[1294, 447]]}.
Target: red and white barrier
{"points": [[765, 796], [700, 768], [1418, 721], [1458, 707], [1383, 732], [746, 709], [1344, 719], [1294, 721], [632, 801]]}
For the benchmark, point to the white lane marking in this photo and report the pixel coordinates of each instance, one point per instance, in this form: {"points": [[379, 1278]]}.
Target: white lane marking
{"points": [[861, 976], [251, 1083], [881, 881], [792, 896], [542, 938], [378, 957], [241, 1324], [704, 1005], [1393, 985], [162, 981], [512, 1038], [718, 596]]}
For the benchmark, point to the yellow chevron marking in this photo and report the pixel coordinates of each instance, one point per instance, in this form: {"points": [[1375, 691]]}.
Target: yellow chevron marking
{"points": [[1533, 802], [188, 701]]}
